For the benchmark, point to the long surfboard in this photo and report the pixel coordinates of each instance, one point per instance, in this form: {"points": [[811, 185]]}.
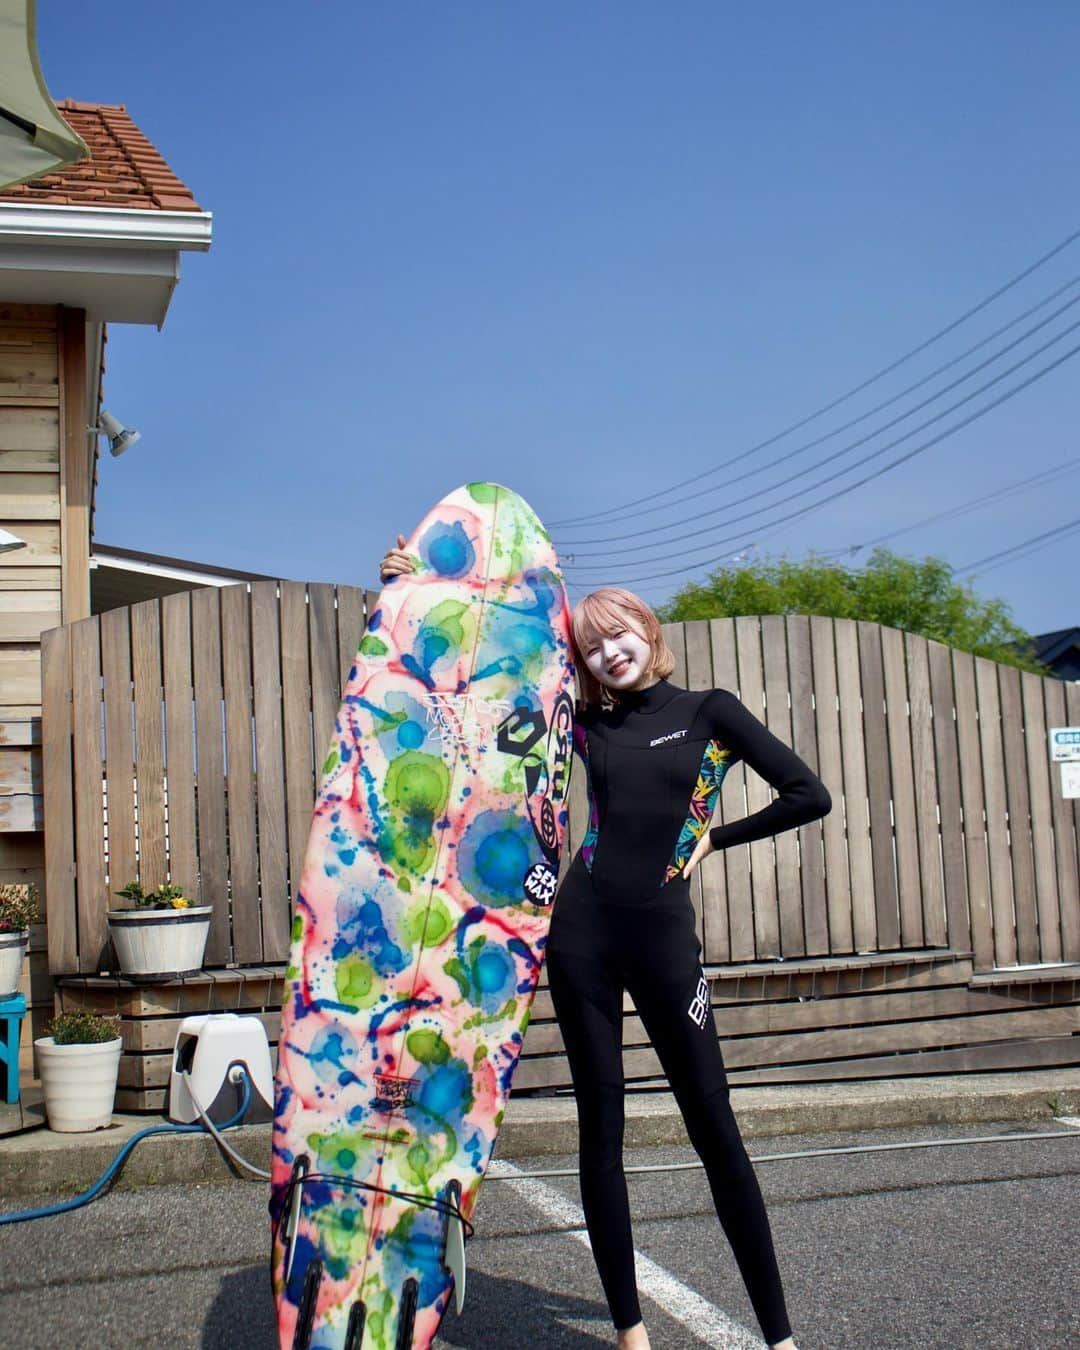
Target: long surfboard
{"points": [[419, 926]]}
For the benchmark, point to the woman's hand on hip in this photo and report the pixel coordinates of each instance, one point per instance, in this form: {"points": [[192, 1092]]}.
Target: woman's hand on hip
{"points": [[396, 561], [703, 849]]}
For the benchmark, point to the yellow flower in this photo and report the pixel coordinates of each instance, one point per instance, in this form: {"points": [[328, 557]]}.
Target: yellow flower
{"points": [[181, 903]]}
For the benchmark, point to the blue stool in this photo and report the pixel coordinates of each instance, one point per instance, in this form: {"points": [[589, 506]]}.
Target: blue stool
{"points": [[12, 1012]]}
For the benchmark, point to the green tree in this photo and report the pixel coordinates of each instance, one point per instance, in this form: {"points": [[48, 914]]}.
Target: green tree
{"points": [[918, 595]]}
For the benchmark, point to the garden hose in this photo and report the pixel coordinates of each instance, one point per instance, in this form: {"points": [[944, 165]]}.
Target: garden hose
{"points": [[202, 1127]]}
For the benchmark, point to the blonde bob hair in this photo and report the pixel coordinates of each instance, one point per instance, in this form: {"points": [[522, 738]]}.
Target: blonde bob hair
{"points": [[604, 613]]}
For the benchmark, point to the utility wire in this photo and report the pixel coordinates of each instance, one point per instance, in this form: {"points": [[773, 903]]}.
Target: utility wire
{"points": [[877, 473], [1040, 479], [865, 459], [828, 407], [679, 525], [871, 412], [1038, 539]]}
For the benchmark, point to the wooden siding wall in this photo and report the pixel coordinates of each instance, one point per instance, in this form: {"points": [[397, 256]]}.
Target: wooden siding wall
{"points": [[183, 738]]}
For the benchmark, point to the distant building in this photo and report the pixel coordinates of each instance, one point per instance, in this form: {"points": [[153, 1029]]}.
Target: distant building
{"points": [[1059, 651]]}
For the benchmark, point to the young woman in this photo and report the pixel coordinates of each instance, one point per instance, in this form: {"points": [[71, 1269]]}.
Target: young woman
{"points": [[623, 919]]}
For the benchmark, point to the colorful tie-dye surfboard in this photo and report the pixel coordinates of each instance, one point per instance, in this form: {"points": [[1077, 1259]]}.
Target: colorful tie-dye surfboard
{"points": [[419, 929]]}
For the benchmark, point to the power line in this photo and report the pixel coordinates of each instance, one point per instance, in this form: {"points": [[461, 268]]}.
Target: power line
{"points": [[679, 525], [1038, 539], [865, 459], [878, 407], [877, 473], [835, 403], [1040, 479]]}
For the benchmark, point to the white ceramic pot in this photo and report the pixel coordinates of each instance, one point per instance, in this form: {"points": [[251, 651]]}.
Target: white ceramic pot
{"points": [[79, 1083], [152, 943], [12, 950]]}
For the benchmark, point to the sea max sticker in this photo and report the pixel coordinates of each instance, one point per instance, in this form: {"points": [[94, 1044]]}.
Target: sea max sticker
{"points": [[546, 778]]}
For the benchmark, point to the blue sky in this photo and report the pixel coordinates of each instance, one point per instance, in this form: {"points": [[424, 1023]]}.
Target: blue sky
{"points": [[589, 250]]}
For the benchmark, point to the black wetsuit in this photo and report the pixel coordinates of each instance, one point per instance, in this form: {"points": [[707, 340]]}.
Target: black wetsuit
{"points": [[623, 919]]}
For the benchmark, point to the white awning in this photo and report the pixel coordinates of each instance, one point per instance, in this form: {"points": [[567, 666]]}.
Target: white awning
{"points": [[34, 138]]}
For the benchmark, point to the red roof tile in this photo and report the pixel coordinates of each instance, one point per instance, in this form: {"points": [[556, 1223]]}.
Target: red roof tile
{"points": [[124, 168]]}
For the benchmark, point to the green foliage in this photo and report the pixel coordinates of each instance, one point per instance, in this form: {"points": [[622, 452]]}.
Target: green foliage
{"points": [[165, 896], [917, 595], [18, 906], [82, 1028]]}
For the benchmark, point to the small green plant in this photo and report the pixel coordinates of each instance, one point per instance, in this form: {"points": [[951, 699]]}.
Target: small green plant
{"points": [[79, 1027], [18, 906], [166, 896]]}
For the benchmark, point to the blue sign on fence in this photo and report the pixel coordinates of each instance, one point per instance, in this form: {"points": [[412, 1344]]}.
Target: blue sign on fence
{"points": [[1064, 743]]}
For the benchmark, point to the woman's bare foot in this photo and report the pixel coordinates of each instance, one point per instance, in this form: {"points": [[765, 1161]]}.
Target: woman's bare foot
{"points": [[788, 1344], [633, 1338]]}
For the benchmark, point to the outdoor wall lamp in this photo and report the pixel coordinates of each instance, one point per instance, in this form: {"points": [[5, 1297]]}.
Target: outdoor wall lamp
{"points": [[9, 541], [121, 438]]}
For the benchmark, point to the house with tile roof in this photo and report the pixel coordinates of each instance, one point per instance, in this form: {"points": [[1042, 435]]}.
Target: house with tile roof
{"points": [[95, 242]]}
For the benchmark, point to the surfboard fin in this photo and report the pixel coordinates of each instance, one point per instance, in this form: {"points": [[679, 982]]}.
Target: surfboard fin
{"points": [[354, 1332], [407, 1316], [454, 1252], [305, 1316], [296, 1203]]}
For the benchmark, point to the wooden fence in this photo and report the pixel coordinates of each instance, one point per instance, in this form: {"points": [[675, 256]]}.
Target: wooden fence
{"points": [[182, 739]]}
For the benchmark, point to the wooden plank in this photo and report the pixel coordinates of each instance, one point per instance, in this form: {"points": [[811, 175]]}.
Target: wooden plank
{"points": [[350, 625], [270, 768], [675, 637], [213, 993], [240, 775], [42, 546], [1017, 796], [804, 742], [995, 1055], [997, 819], [89, 807], [157, 1034], [947, 796], [706, 886], [20, 679], [30, 428], [735, 884], [924, 775], [119, 749], [856, 791], [876, 744], [24, 616], [786, 844], [59, 819], [971, 792], [1065, 841], [1034, 764], [76, 473], [210, 760], [945, 1031], [905, 829], [762, 854], [20, 770], [179, 742], [30, 496], [300, 769], [149, 745], [325, 668], [1070, 913], [837, 879]]}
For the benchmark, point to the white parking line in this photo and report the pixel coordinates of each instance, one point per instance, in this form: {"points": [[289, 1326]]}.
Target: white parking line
{"points": [[1073, 1121], [700, 1317]]}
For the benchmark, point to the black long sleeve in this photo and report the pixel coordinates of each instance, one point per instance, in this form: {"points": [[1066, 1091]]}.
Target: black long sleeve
{"points": [[655, 765], [803, 796]]}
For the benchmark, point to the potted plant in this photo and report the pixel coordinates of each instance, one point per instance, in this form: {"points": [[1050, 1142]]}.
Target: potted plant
{"points": [[161, 935], [79, 1061], [18, 910]]}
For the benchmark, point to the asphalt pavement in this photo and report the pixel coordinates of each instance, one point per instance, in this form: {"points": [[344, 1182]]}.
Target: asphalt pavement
{"points": [[972, 1246]]}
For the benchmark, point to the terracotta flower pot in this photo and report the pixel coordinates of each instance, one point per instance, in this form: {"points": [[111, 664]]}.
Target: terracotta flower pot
{"points": [[79, 1083], [13, 945], [160, 943]]}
